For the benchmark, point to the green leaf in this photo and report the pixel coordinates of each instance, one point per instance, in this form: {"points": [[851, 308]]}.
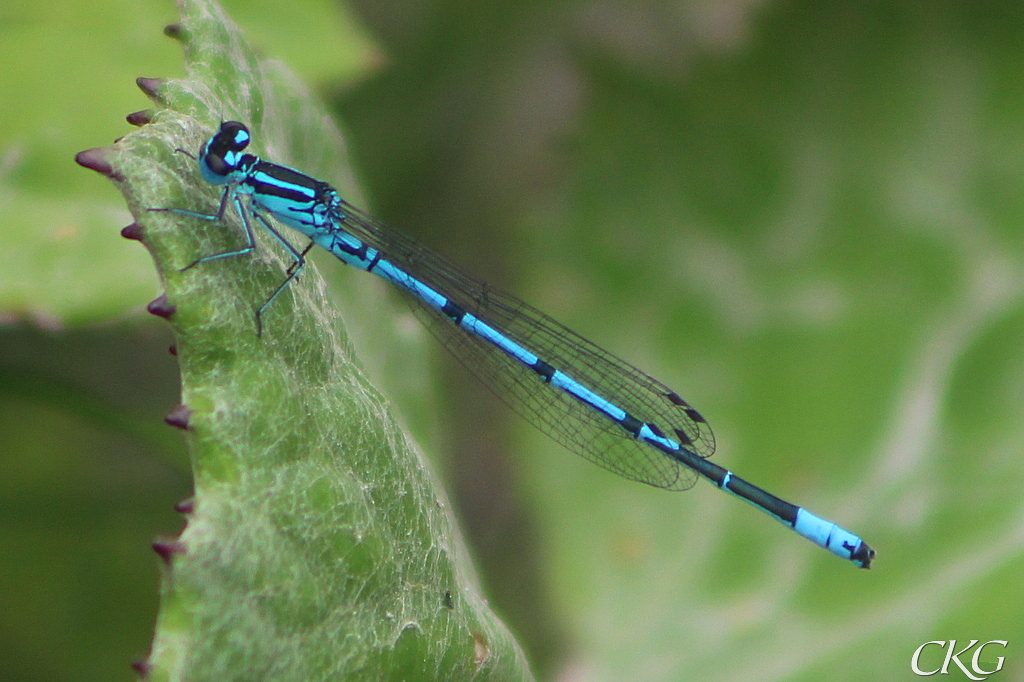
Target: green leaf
{"points": [[318, 544]]}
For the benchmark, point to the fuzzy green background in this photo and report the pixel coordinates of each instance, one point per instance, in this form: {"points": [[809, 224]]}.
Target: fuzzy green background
{"points": [[805, 217]]}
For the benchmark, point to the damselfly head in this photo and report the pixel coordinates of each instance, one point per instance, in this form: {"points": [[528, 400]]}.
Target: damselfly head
{"points": [[222, 156], [234, 135]]}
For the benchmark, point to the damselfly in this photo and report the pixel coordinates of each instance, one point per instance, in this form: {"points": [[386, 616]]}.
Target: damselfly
{"points": [[590, 401]]}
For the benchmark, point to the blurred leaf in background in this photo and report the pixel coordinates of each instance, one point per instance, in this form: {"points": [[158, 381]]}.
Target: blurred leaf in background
{"points": [[805, 217]]}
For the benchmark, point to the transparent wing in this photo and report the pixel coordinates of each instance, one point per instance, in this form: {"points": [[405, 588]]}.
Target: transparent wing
{"points": [[573, 424]]}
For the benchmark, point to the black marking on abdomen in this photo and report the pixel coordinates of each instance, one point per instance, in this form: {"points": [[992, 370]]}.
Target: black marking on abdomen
{"points": [[544, 370], [453, 311], [631, 424]]}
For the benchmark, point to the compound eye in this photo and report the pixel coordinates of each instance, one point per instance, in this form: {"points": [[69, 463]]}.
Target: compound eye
{"points": [[217, 164], [235, 135]]}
